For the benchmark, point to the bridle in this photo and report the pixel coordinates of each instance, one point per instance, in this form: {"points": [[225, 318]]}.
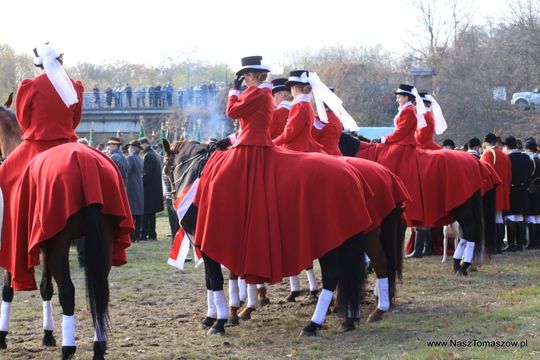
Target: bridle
{"points": [[192, 162]]}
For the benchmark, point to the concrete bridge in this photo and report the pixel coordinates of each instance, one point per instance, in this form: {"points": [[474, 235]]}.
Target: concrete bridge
{"points": [[111, 120]]}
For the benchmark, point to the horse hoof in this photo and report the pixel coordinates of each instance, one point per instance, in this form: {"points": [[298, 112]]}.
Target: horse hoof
{"points": [[461, 273], [100, 347], [310, 330], [292, 296], [207, 323], [68, 352], [376, 315], [264, 301], [48, 339], [218, 328], [348, 324], [312, 297], [3, 344], [246, 314]]}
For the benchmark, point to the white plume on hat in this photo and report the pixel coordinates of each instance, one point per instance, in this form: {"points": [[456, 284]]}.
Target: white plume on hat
{"points": [[46, 56]]}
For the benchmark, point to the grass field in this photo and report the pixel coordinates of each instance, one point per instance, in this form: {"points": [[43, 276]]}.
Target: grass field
{"points": [[155, 310]]}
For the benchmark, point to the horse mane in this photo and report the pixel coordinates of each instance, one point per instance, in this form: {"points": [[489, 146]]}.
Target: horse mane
{"points": [[10, 114]]}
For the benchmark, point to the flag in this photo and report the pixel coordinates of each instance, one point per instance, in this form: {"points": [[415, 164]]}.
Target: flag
{"points": [[141, 131], [180, 247]]}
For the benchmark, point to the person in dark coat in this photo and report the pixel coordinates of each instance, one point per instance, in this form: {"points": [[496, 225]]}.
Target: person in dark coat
{"points": [[153, 190], [533, 218], [108, 96], [135, 190], [522, 167], [113, 147]]}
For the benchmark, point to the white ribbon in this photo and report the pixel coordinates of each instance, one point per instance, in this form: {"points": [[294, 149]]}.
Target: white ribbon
{"points": [[420, 110], [323, 95], [56, 73], [440, 122]]}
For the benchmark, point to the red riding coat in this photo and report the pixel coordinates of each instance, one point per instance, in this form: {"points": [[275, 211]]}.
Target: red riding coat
{"points": [[329, 135], [279, 119], [45, 121], [502, 165], [424, 136], [265, 212], [297, 135]]}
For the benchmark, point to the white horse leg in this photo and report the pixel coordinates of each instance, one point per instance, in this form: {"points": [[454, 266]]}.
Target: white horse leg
{"points": [[445, 242], [252, 302], [295, 288], [313, 286]]}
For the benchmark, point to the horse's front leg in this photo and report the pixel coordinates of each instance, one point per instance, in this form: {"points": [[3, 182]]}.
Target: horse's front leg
{"points": [[214, 285], [5, 310], [46, 291], [379, 263]]}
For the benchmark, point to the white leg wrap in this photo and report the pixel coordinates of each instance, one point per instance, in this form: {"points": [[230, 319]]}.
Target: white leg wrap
{"points": [[100, 333], [460, 248], [261, 286], [252, 300], [469, 252], [242, 291], [384, 294], [312, 280], [537, 217], [68, 330], [531, 219], [322, 306], [5, 315], [376, 289], [211, 311], [221, 305], [234, 298], [498, 217], [48, 321], [295, 283], [515, 218]]}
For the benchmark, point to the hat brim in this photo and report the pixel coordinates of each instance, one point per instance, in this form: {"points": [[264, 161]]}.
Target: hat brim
{"points": [[292, 83], [254, 68], [403, 92], [279, 88], [113, 143], [137, 146]]}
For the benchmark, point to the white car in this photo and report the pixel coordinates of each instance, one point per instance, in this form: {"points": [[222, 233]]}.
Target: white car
{"points": [[527, 100]]}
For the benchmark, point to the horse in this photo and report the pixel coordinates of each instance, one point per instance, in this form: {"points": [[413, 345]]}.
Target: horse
{"points": [[92, 220], [343, 265], [475, 215]]}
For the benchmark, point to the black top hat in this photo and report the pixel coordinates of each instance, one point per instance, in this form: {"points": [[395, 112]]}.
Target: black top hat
{"points": [[404, 89], [136, 143], [252, 64], [423, 96], [279, 85], [114, 141], [510, 142], [295, 78]]}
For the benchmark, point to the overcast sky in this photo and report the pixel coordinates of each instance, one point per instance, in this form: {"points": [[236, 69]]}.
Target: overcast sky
{"points": [[149, 31]]}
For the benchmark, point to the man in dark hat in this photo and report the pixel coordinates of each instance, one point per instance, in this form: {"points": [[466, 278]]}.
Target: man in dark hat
{"points": [[522, 167], [448, 144], [501, 163], [474, 147], [533, 217], [135, 189], [153, 189], [113, 148]]}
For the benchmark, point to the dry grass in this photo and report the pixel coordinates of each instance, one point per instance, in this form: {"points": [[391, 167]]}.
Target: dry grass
{"points": [[155, 311]]}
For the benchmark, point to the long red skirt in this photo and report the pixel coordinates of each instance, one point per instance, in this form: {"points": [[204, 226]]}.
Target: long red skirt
{"points": [[55, 186], [267, 213], [437, 180]]}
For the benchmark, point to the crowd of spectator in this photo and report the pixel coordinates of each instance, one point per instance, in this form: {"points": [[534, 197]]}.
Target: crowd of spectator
{"points": [[152, 96]]}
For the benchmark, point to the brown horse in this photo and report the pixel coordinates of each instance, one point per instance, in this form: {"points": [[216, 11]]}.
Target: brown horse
{"points": [[184, 162], [100, 231]]}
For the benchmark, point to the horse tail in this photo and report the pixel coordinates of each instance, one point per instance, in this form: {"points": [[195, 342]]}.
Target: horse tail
{"points": [[392, 239], [352, 279], [97, 265]]}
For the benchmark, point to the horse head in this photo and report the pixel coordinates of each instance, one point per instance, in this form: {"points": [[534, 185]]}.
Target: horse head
{"points": [[184, 161], [10, 132]]}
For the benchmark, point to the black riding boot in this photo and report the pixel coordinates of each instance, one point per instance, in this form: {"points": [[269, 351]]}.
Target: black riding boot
{"points": [[532, 236], [500, 237], [419, 241], [521, 235], [511, 229], [428, 243]]}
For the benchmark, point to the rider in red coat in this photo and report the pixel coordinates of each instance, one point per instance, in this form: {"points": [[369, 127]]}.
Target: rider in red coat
{"points": [[282, 101], [49, 108], [297, 135], [328, 134], [424, 136]]}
